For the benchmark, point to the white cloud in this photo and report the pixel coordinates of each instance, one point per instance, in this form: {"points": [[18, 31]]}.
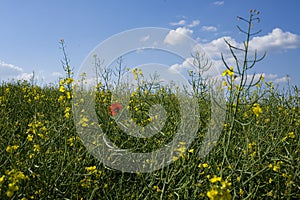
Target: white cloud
{"points": [[24, 76], [185, 65], [218, 46], [179, 23], [284, 79], [270, 76], [177, 36], [194, 23], [8, 70], [145, 38], [218, 3], [250, 77], [56, 74], [209, 28], [276, 40]]}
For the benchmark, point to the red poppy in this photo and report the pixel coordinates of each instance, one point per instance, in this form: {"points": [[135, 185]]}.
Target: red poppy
{"points": [[115, 108]]}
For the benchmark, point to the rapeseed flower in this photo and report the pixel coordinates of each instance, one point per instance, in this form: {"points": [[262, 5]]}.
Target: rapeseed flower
{"points": [[256, 109], [229, 72]]}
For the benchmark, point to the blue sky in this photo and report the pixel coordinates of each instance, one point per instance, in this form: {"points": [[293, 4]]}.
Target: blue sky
{"points": [[31, 31]]}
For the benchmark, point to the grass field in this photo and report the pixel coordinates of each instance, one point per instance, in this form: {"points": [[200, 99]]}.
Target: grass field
{"points": [[256, 156]]}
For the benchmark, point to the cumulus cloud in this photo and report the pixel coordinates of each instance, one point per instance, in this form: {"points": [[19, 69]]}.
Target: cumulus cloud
{"points": [[215, 47], [177, 36], [276, 40], [185, 65], [8, 70], [209, 28], [218, 3], [194, 23], [179, 23]]}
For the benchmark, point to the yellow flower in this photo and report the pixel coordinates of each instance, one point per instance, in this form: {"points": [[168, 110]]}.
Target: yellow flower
{"points": [[215, 179], [229, 72], [276, 168], [191, 151], [36, 147], [2, 179], [205, 165], [155, 187], [250, 145], [181, 149], [91, 169], [69, 80], [174, 158], [270, 180], [61, 82], [212, 194], [9, 193], [291, 134], [68, 95], [256, 109], [134, 72], [61, 88], [67, 112], [10, 149], [61, 98], [241, 192], [29, 137], [225, 184]]}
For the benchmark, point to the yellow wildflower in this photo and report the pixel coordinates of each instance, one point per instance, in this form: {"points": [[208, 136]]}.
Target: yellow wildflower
{"points": [[291, 134], [10, 149], [212, 194], [91, 169], [36, 147], [256, 109], [61, 88], [191, 151], [29, 137], [215, 179], [229, 72], [2, 179]]}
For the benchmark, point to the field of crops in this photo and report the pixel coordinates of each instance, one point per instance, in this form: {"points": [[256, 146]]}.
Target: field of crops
{"points": [[255, 157]]}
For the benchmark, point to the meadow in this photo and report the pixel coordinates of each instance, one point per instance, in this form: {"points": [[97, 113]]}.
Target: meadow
{"points": [[255, 157]]}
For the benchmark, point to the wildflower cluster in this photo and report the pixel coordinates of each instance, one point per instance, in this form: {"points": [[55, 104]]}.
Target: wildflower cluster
{"points": [[137, 72], [276, 165], [13, 177], [220, 189], [72, 140], [93, 178], [37, 129], [66, 95]]}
